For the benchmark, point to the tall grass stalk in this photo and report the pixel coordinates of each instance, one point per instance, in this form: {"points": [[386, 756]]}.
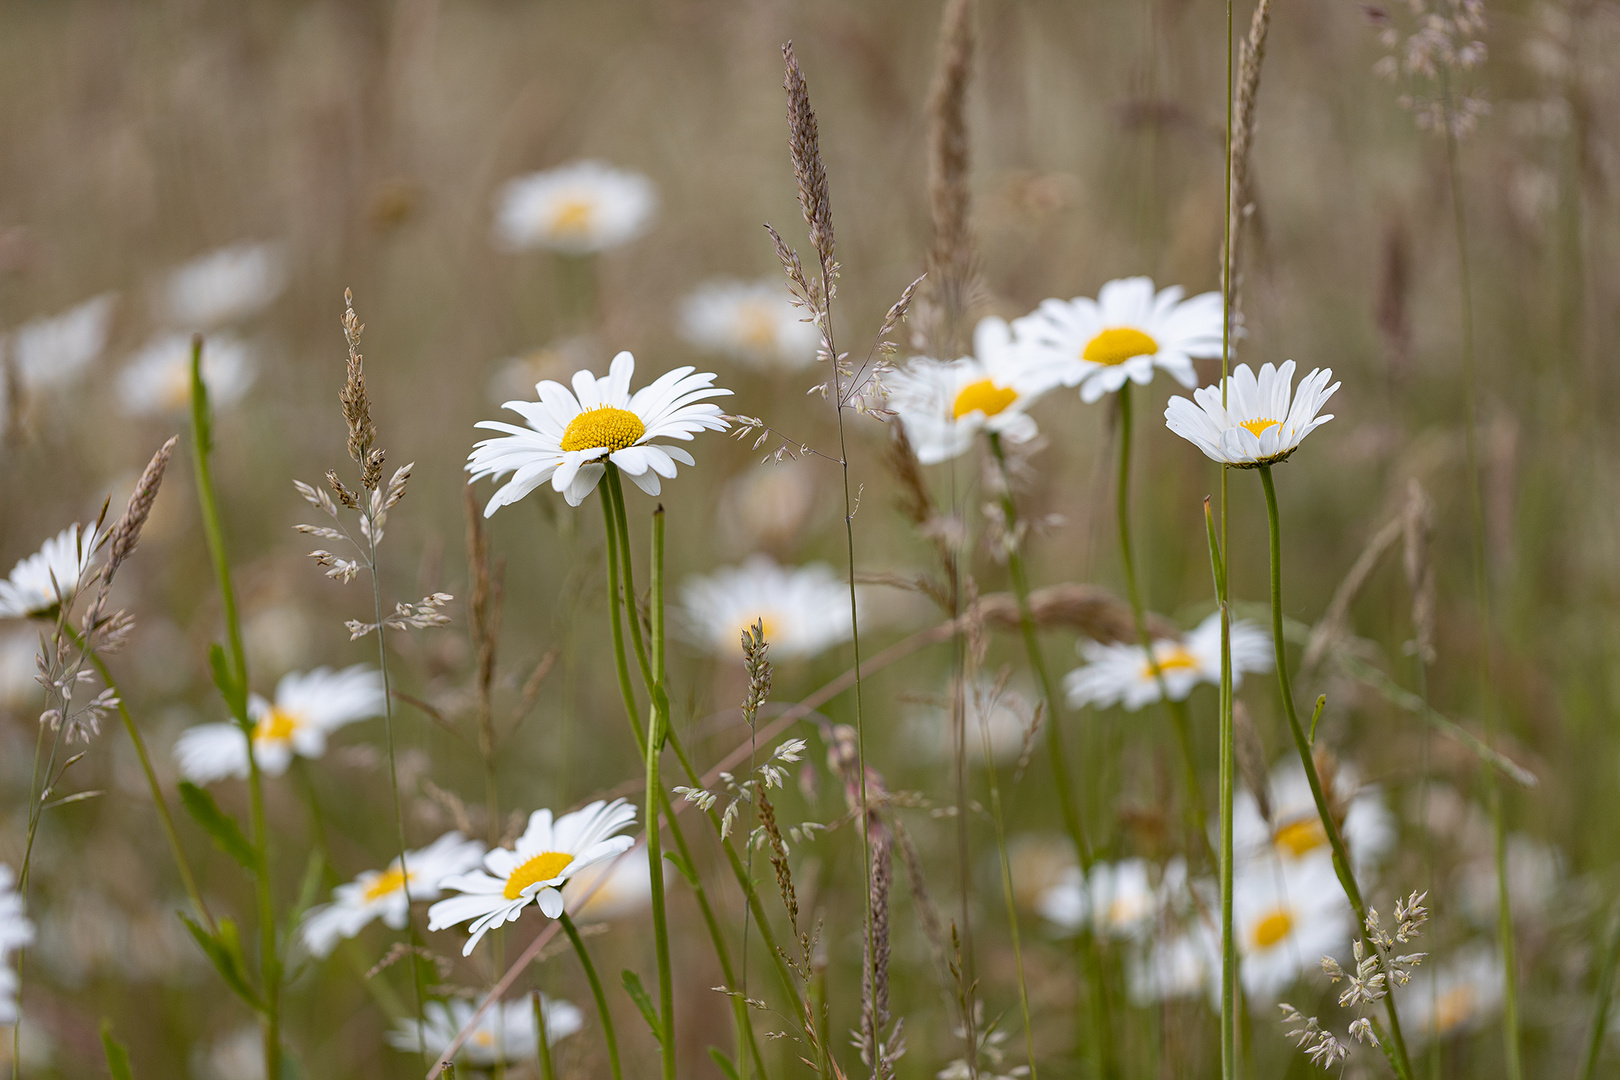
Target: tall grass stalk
{"points": [[657, 722], [1218, 555]]}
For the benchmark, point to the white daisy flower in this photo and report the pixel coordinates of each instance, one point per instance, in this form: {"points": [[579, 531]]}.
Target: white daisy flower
{"points": [[805, 609], [1181, 963], [1119, 900], [546, 856], [1258, 425], [1119, 674], [223, 286], [1453, 998], [1123, 334], [578, 209], [157, 379], [52, 574], [1286, 918], [15, 933], [388, 894], [1002, 719], [622, 888], [944, 404], [308, 707], [1296, 832], [1535, 874], [752, 322], [504, 1035], [570, 434], [51, 352]]}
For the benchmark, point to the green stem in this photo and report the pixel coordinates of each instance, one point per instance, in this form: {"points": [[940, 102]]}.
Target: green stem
{"points": [[1007, 899], [1341, 856], [602, 1011], [657, 723], [627, 570], [543, 1041], [1218, 554], [1600, 1009]]}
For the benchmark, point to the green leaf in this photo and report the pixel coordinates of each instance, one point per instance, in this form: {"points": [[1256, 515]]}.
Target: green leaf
{"points": [[724, 1062], [227, 835], [683, 866], [199, 398], [235, 694], [117, 1055], [638, 994], [225, 953]]}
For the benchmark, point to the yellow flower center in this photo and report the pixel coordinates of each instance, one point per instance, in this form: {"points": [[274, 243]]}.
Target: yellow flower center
{"points": [[1118, 344], [1177, 659], [543, 867], [1273, 928], [1301, 837], [1454, 1008], [484, 1038], [756, 326], [573, 216], [175, 386], [1259, 424], [1124, 910], [604, 427], [983, 396], [389, 881], [276, 725]]}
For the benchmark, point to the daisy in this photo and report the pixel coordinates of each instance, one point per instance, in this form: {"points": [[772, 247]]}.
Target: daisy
{"points": [[1123, 334], [570, 436], [15, 932], [1118, 899], [50, 352], [1121, 674], [387, 894], [805, 609], [1455, 998], [223, 286], [308, 707], [577, 209], [944, 404], [1000, 717], [754, 323], [616, 888], [52, 574], [504, 1035], [546, 856], [1286, 918], [1535, 876], [1258, 425], [1296, 831], [1182, 963], [157, 379], [17, 668]]}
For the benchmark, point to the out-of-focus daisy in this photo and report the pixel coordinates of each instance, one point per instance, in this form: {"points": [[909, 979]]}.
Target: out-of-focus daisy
{"points": [[1296, 830], [387, 894], [223, 286], [1121, 674], [1001, 718], [547, 855], [44, 579], [944, 404], [1123, 334], [616, 888], [768, 506], [753, 322], [1286, 918], [584, 207], [805, 609], [1534, 872], [571, 434], [1181, 963], [158, 378], [308, 707], [15, 932], [1259, 424], [1117, 899], [1453, 998], [504, 1035], [236, 1056], [51, 352], [17, 669]]}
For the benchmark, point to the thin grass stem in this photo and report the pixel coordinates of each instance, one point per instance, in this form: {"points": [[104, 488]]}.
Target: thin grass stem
{"points": [[657, 723], [603, 1013]]}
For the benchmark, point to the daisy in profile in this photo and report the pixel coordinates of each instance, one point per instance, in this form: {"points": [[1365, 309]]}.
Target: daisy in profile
{"points": [[223, 287], [546, 856], [157, 380], [52, 352], [505, 1035], [616, 888], [752, 322], [1118, 900], [1286, 918], [1119, 674], [1122, 335], [1454, 998], [577, 209], [944, 404], [1296, 831], [308, 707], [1259, 424], [388, 894], [15, 933], [571, 436], [52, 574], [805, 609]]}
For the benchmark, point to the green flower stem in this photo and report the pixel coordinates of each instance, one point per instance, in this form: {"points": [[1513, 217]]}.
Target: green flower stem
{"points": [[657, 722], [602, 1011], [1341, 856], [1007, 898], [628, 574], [1600, 1009], [1229, 1002], [543, 1041]]}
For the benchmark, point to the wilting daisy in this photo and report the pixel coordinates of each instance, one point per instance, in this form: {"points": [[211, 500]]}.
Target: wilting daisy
{"points": [[1286, 918], [1258, 425], [753, 322], [547, 855], [308, 707], [40, 582], [504, 1035], [944, 404], [1296, 831], [1121, 674], [51, 352], [805, 609], [158, 378], [615, 888], [1118, 899], [577, 209], [387, 894], [570, 435], [223, 286], [1453, 998], [1123, 334], [15, 932]]}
